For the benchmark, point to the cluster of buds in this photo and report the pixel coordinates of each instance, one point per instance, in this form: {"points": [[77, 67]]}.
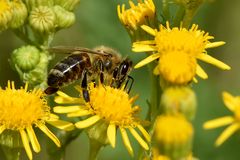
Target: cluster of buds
{"points": [[43, 16], [31, 65]]}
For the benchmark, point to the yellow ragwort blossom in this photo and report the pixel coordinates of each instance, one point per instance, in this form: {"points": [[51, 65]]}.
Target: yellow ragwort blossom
{"points": [[137, 15], [21, 110], [173, 135], [5, 14], [112, 106], [233, 104], [178, 50]]}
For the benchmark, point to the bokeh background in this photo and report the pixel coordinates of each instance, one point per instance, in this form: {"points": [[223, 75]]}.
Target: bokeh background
{"points": [[97, 24]]}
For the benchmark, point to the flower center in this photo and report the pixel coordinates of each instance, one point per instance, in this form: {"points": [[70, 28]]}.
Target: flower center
{"points": [[20, 109], [177, 67], [191, 41], [111, 104]]}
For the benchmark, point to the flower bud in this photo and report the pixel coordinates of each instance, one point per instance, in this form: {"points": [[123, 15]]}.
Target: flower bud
{"points": [[38, 75], [5, 14], [68, 5], [25, 58], [64, 18], [179, 100], [19, 14], [42, 19], [173, 136], [31, 4]]}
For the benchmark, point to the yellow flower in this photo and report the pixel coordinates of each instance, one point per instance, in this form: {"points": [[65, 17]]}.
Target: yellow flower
{"points": [[173, 135], [5, 14], [110, 105], [233, 104], [178, 50], [20, 110], [137, 15]]}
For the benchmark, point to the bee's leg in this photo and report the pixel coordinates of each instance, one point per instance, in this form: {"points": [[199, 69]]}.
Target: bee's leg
{"points": [[84, 87], [131, 83], [101, 68], [114, 76], [51, 90]]}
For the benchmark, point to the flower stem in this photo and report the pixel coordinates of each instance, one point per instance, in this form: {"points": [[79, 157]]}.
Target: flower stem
{"points": [[95, 147], [11, 153]]}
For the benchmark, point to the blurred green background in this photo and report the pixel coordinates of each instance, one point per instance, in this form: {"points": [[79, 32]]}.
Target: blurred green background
{"points": [[98, 24]]}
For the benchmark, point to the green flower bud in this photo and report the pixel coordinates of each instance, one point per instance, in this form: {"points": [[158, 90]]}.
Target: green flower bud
{"points": [[10, 139], [64, 18], [19, 14], [5, 14], [38, 76], [179, 100], [25, 58], [42, 19], [68, 5], [31, 4]]}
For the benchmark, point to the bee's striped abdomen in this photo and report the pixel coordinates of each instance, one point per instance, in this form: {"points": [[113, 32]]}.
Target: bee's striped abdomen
{"points": [[68, 70]]}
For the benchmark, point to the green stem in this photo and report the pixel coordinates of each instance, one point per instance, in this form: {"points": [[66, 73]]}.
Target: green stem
{"points": [[24, 37], [95, 147], [11, 153]]}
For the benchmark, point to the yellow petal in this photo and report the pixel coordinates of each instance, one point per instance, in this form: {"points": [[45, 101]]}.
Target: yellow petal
{"points": [[227, 133], [66, 109], [49, 134], [149, 42], [214, 44], [88, 122], [144, 132], [64, 98], [138, 47], [215, 123], [208, 59], [79, 113], [33, 139], [111, 133], [147, 60], [156, 70], [64, 125], [195, 80], [229, 101], [26, 143], [126, 141], [201, 73], [139, 138], [2, 128], [149, 30]]}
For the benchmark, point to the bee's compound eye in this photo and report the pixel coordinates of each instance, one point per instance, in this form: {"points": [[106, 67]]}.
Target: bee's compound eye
{"points": [[115, 73], [124, 68]]}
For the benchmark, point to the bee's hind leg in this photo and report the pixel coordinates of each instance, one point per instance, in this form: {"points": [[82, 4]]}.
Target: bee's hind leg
{"points": [[84, 85]]}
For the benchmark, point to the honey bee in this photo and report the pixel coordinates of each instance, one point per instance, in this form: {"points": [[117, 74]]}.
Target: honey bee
{"points": [[101, 64]]}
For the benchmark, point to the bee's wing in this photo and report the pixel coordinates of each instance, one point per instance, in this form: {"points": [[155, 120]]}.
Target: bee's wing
{"points": [[72, 50]]}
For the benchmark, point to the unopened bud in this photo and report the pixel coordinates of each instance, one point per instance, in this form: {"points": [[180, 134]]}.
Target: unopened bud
{"points": [[179, 100], [19, 14], [68, 5], [5, 14], [42, 19], [173, 136], [31, 4], [64, 18], [25, 58]]}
